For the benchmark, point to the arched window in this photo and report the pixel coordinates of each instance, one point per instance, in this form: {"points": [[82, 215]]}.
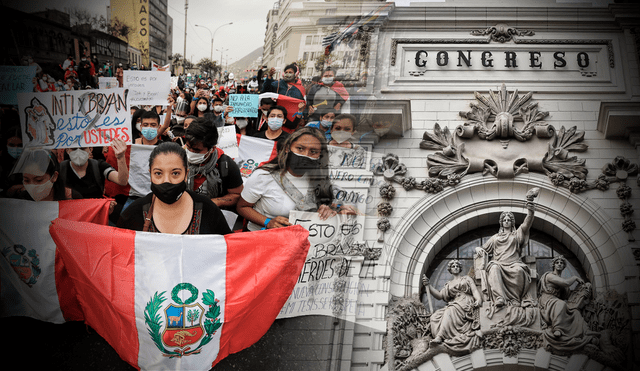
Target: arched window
{"points": [[541, 245]]}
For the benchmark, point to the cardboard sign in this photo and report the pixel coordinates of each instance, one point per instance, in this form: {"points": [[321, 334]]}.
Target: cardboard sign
{"points": [[329, 281], [228, 141], [72, 119], [356, 158], [147, 87], [244, 105], [107, 82], [14, 80]]}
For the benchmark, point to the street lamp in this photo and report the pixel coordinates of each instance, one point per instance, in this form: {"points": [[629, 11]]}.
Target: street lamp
{"points": [[213, 34], [210, 34]]}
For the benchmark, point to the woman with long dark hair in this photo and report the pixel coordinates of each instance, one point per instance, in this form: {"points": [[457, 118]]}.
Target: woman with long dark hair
{"points": [[297, 179]]}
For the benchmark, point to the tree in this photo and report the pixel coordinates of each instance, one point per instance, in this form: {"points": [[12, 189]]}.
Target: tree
{"points": [[175, 58], [192, 315], [206, 64]]}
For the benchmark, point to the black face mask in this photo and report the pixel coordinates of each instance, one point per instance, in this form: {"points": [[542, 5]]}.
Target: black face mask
{"points": [[299, 164], [168, 192]]}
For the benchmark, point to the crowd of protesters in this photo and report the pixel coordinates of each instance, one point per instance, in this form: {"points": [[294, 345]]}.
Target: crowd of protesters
{"points": [[192, 180]]}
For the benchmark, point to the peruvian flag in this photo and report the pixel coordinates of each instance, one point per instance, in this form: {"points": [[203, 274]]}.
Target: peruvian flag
{"points": [[33, 280], [252, 152], [180, 302], [291, 104], [137, 156]]}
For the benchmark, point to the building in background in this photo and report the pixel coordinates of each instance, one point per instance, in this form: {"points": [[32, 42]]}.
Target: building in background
{"points": [[296, 28], [468, 107], [150, 28]]}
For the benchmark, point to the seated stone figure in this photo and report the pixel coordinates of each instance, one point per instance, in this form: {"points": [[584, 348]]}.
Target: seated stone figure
{"points": [[566, 329], [506, 278], [455, 325]]}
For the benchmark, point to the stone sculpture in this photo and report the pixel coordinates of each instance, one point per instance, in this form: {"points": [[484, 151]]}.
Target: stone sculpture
{"points": [[566, 330], [456, 326], [506, 278]]}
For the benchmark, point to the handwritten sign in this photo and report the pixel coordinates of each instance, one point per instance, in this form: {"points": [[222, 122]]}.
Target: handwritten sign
{"points": [[107, 82], [351, 188], [228, 141], [354, 158], [244, 105], [329, 282], [72, 119], [14, 80], [147, 87]]}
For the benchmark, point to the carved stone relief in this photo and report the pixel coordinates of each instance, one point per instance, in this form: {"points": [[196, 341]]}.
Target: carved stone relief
{"points": [[510, 307]]}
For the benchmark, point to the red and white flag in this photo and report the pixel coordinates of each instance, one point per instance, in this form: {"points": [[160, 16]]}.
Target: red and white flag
{"points": [[33, 280], [290, 104], [252, 152], [137, 156], [180, 302]]}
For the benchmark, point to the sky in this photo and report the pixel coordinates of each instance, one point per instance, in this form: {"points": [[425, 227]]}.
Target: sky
{"points": [[246, 34]]}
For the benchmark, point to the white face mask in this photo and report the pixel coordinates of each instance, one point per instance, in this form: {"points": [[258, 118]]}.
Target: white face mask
{"points": [[275, 123], [138, 126], [179, 119], [327, 80], [340, 136], [79, 157], [265, 112], [242, 123], [39, 191], [218, 109], [196, 158], [202, 107]]}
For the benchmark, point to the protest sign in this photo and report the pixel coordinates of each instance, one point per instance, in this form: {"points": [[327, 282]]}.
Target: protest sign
{"points": [[147, 87], [351, 188], [107, 82], [174, 82], [355, 158], [228, 141], [14, 80], [72, 119], [329, 282], [244, 105]]}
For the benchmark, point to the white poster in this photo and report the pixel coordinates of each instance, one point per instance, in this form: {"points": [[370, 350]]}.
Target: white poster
{"points": [[228, 141], [329, 281], [72, 119], [107, 82], [147, 87]]}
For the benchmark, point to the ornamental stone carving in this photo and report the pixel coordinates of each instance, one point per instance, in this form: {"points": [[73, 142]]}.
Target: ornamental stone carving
{"points": [[502, 32], [504, 136], [504, 303]]}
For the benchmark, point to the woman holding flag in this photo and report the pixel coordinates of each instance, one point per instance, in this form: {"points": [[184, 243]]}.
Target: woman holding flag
{"points": [[170, 207]]}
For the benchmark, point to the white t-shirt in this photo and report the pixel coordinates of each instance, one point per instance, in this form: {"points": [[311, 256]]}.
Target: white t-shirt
{"points": [[267, 195]]}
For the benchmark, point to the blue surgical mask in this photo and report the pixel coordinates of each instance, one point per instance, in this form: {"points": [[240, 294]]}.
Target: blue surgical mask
{"points": [[275, 123], [326, 123], [14, 152], [149, 133]]}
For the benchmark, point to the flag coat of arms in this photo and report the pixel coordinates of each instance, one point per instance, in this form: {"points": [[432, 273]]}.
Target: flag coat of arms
{"points": [[33, 280], [180, 302], [252, 152]]}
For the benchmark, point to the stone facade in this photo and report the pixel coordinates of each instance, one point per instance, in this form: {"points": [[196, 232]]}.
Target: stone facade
{"points": [[483, 76]]}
